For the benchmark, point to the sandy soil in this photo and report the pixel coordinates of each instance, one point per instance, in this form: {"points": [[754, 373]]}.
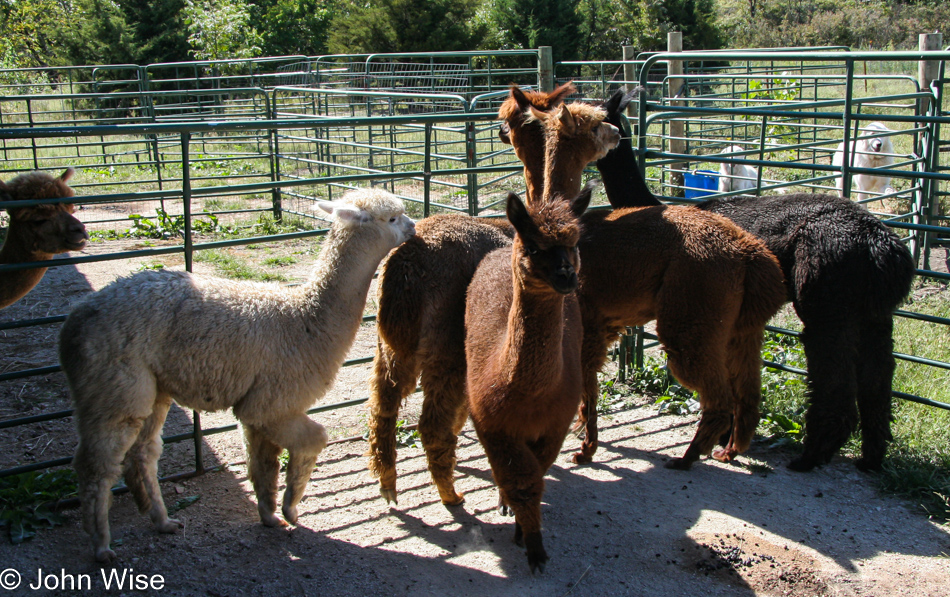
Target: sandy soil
{"points": [[621, 526]]}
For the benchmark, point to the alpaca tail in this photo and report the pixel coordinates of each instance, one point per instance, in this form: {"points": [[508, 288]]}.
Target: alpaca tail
{"points": [[764, 291], [895, 269], [400, 312]]}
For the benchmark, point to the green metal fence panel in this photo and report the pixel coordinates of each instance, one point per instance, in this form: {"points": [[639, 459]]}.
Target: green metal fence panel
{"points": [[186, 150]]}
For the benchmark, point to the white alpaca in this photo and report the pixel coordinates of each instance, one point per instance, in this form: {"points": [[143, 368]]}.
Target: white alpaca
{"points": [[736, 177], [209, 344], [867, 153]]}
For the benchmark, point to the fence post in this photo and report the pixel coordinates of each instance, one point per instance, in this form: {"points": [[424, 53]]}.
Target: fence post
{"points": [[629, 76], [545, 69], [674, 43], [927, 71]]}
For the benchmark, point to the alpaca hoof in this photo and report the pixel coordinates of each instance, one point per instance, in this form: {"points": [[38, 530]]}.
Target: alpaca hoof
{"points": [[170, 525], [869, 465], [105, 555], [679, 464], [537, 561], [290, 514], [455, 501], [389, 495], [272, 521], [504, 510], [724, 455], [581, 458]]}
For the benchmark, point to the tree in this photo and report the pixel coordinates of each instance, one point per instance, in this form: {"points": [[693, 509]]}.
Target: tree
{"points": [[533, 23], [32, 32], [99, 34], [406, 26], [292, 26], [220, 30], [159, 34]]}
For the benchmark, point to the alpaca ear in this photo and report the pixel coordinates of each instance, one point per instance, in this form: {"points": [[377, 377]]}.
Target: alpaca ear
{"points": [[67, 174], [344, 212], [613, 105], [582, 201], [561, 93], [518, 215], [567, 120], [520, 98], [533, 114]]}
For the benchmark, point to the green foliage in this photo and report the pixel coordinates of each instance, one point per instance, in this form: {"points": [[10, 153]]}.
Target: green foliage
{"points": [[220, 30], [292, 26], [99, 34], [865, 24], [405, 26], [232, 266], [531, 23], [25, 501], [159, 33], [407, 437], [32, 33]]}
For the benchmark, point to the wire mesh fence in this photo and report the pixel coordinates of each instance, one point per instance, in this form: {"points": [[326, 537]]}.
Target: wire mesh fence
{"points": [[179, 161]]}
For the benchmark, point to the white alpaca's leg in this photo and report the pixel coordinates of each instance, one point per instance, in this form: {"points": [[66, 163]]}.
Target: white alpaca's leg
{"points": [[304, 440], [263, 468], [141, 469], [98, 464]]}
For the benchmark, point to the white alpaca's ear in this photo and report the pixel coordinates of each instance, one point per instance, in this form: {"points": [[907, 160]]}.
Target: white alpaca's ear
{"points": [[345, 212]]}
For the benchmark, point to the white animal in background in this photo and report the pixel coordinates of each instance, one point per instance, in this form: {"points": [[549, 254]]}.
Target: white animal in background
{"points": [[736, 177], [877, 152], [265, 351]]}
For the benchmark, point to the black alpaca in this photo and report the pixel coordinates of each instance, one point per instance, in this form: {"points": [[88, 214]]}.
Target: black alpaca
{"points": [[845, 272]]}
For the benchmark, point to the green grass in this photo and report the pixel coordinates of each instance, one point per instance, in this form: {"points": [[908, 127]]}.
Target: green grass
{"points": [[234, 267]]}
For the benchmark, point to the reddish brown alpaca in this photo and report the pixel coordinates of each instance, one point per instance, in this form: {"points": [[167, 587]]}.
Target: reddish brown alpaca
{"points": [[421, 327], [710, 286], [517, 131], [36, 232], [523, 341]]}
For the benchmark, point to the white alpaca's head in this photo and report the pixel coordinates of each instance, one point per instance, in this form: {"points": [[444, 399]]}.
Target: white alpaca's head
{"points": [[371, 209]]}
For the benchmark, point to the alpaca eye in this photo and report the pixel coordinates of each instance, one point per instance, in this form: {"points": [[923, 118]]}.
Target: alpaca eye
{"points": [[532, 250], [392, 220]]}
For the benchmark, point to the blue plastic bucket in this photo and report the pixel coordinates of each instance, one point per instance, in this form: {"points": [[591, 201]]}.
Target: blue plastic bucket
{"points": [[700, 183]]}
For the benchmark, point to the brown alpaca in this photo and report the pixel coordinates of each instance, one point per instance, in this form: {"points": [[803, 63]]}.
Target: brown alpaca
{"points": [[518, 131], [421, 324], [37, 232], [522, 343], [710, 286]]}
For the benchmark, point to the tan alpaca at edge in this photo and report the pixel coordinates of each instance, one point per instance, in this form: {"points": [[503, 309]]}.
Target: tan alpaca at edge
{"points": [[36, 232], [267, 352]]}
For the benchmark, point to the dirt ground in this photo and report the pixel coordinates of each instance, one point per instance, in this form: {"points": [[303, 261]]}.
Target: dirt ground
{"points": [[623, 525]]}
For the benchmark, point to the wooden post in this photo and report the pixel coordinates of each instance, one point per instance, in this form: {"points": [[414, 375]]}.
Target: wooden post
{"points": [[927, 71], [629, 77], [674, 43], [545, 69]]}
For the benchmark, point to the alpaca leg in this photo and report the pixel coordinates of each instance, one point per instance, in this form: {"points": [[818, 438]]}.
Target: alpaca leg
{"points": [[520, 481], [141, 469], [875, 372], [444, 411], [593, 357], [745, 376], [262, 469], [98, 464], [700, 365], [830, 347], [304, 440], [394, 378]]}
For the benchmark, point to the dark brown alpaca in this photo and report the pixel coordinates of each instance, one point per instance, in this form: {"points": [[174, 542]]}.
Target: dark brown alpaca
{"points": [[523, 342], [421, 323], [710, 287], [37, 232]]}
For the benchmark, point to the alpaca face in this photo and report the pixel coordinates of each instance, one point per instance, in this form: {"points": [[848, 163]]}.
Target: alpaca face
{"points": [[515, 130], [53, 228], [545, 247], [579, 132]]}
